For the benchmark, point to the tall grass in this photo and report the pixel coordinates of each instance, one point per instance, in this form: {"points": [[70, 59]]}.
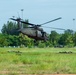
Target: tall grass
{"points": [[37, 60]]}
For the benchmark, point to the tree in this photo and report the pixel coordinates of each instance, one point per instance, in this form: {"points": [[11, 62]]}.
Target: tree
{"points": [[13, 40], [54, 36], [3, 40], [26, 25], [69, 32], [67, 38], [74, 39], [10, 28]]}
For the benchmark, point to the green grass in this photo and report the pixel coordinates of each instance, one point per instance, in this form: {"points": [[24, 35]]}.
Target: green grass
{"points": [[37, 61]]}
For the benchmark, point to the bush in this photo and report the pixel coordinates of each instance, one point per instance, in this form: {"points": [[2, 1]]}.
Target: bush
{"points": [[41, 45]]}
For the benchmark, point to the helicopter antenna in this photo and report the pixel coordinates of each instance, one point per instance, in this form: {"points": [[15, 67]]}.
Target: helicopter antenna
{"points": [[18, 14], [21, 26], [51, 21], [13, 16]]}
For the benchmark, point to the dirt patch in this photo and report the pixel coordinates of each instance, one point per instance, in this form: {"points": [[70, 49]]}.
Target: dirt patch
{"points": [[19, 73], [50, 74], [8, 72]]}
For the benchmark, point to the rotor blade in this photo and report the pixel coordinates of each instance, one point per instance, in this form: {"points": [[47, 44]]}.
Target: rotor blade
{"points": [[54, 28], [22, 21], [13, 19], [18, 19], [51, 21], [27, 23]]}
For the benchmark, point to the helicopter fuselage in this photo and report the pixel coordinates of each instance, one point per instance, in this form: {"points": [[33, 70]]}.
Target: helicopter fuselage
{"points": [[33, 33]]}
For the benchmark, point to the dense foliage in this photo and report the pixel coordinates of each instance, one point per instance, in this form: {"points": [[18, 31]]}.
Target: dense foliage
{"points": [[11, 37]]}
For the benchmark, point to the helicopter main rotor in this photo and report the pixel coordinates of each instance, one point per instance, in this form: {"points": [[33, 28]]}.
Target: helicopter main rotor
{"points": [[51, 21], [34, 25]]}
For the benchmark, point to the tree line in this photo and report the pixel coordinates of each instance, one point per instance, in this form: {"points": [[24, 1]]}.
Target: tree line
{"points": [[11, 37]]}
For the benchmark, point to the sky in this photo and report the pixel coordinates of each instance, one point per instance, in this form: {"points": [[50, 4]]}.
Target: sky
{"points": [[40, 11]]}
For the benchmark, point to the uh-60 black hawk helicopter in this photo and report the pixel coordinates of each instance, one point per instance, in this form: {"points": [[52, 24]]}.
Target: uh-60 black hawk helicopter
{"points": [[34, 31]]}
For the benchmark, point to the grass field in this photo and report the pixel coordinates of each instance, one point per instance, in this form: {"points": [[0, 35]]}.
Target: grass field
{"points": [[15, 61]]}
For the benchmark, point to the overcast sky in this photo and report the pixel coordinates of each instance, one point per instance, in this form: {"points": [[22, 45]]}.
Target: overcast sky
{"points": [[40, 11]]}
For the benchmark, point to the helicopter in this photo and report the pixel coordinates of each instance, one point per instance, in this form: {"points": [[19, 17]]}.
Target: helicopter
{"points": [[34, 31]]}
